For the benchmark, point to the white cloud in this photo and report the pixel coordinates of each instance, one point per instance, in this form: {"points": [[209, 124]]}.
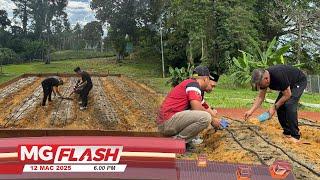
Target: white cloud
{"points": [[77, 10], [79, 5], [7, 5]]}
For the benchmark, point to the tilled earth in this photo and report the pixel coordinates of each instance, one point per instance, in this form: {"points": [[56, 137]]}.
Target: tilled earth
{"points": [[115, 103], [118, 103]]}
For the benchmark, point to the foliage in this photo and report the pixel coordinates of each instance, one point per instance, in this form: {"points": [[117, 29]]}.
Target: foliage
{"points": [[6, 56], [177, 75], [244, 64], [271, 56], [4, 21], [261, 59], [92, 33]]}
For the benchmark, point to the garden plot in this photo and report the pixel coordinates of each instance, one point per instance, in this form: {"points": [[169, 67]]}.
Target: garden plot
{"points": [[114, 103], [103, 106], [62, 109], [16, 86]]}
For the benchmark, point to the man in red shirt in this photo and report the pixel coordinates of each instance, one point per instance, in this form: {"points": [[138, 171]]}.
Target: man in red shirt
{"points": [[181, 114]]}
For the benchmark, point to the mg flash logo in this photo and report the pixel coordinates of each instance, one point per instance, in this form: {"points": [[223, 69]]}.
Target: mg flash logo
{"points": [[69, 154]]}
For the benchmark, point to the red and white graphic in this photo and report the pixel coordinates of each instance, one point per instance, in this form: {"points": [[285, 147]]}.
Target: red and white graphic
{"points": [[64, 158]]}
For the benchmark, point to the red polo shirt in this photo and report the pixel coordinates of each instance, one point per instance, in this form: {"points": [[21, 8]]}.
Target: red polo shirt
{"points": [[179, 99]]}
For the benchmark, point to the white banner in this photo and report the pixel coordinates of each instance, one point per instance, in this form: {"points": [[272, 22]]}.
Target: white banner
{"points": [[88, 154], [74, 168]]}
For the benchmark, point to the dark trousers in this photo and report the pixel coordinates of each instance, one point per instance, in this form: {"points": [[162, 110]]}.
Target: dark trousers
{"points": [[47, 91], [288, 114], [84, 95]]}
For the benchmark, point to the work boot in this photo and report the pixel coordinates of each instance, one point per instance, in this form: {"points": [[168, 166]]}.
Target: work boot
{"points": [[190, 148]]}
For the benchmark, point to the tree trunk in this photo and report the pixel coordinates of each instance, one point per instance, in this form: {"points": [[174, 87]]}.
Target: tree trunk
{"points": [[299, 39], [101, 46], [25, 19], [190, 56]]}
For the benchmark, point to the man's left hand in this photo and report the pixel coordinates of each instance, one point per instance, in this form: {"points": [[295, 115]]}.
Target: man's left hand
{"points": [[215, 123]]}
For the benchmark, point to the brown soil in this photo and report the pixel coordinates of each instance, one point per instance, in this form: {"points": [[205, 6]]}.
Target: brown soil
{"points": [[135, 106], [10, 103]]}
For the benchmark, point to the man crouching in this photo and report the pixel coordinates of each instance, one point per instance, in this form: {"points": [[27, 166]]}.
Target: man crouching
{"points": [[181, 114]]}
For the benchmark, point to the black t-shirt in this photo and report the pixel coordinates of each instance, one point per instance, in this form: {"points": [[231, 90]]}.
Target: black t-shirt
{"points": [[51, 81], [283, 76], [86, 77]]}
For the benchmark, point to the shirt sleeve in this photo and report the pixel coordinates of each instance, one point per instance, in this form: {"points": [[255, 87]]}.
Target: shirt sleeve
{"points": [[204, 104], [193, 91]]}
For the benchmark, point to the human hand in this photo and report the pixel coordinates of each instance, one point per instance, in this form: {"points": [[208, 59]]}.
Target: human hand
{"points": [[247, 114]]}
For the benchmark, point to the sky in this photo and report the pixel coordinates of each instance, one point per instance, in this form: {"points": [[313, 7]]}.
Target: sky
{"points": [[78, 11]]}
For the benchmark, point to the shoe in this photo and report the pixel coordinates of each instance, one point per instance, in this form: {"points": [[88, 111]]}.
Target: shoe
{"points": [[83, 108], [80, 102], [197, 140], [190, 148]]}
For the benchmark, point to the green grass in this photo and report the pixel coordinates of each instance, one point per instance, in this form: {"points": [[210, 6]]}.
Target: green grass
{"points": [[81, 54], [243, 98], [134, 69]]}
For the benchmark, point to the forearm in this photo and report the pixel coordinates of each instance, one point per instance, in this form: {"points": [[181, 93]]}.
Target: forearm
{"points": [[257, 103], [82, 84], [211, 112], [282, 100]]}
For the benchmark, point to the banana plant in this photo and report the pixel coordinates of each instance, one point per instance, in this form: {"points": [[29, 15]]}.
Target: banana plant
{"points": [[178, 75], [244, 66], [271, 56]]}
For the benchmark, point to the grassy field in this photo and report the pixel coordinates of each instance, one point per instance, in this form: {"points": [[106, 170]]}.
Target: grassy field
{"points": [[81, 54], [225, 95]]}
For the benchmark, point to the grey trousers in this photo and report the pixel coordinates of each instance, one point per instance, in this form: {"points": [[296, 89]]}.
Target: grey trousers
{"points": [[186, 124]]}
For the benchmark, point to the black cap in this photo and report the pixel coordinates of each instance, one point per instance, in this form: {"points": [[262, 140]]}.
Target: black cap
{"points": [[214, 77], [76, 69], [201, 71]]}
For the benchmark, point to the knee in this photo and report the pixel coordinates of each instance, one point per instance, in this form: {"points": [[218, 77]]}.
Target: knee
{"points": [[205, 118], [291, 106]]}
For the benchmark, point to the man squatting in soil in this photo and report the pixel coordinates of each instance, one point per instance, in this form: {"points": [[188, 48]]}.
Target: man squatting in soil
{"points": [[83, 87], [291, 82], [182, 114], [50, 85]]}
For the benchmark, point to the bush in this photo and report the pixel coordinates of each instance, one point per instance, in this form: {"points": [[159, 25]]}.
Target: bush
{"points": [[8, 56], [178, 75]]}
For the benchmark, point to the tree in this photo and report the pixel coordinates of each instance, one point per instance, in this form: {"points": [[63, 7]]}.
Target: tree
{"points": [[77, 37], [296, 21], [232, 24], [193, 16], [4, 21], [22, 11], [92, 33], [124, 18], [43, 13]]}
